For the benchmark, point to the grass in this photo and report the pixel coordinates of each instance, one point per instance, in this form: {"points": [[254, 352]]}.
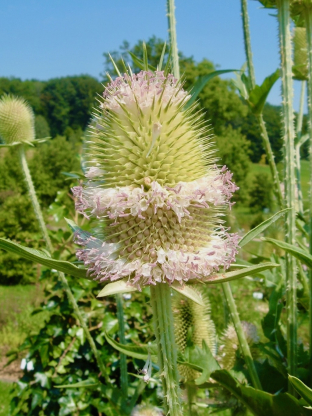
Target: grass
{"points": [[5, 395]]}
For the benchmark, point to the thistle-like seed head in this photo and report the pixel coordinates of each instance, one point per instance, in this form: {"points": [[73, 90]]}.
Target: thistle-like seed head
{"points": [[16, 120], [154, 186], [190, 315], [229, 343]]}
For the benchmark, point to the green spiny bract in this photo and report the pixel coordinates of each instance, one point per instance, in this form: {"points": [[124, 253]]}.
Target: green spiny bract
{"points": [[194, 320], [16, 120], [153, 186]]}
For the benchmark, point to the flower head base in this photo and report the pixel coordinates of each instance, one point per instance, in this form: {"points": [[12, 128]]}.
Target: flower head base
{"points": [[154, 187], [16, 120]]}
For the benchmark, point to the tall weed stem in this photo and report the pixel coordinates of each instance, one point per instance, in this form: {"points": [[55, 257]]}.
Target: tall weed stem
{"points": [[173, 38], [299, 133], [283, 7], [167, 350], [241, 335], [263, 130], [308, 19], [122, 339], [38, 212]]}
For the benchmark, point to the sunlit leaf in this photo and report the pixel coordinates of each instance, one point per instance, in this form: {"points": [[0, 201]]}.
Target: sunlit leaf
{"points": [[297, 252], [257, 96], [41, 257], [132, 350], [237, 274], [304, 391], [120, 286], [252, 234]]}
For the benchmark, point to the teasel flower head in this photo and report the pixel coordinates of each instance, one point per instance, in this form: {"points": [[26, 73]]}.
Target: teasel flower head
{"points": [[153, 186], [193, 321], [16, 120], [229, 344]]}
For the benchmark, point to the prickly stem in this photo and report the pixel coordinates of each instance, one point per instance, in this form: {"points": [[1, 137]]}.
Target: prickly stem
{"points": [[121, 333], [167, 351], [173, 38], [263, 130], [241, 336], [283, 7]]}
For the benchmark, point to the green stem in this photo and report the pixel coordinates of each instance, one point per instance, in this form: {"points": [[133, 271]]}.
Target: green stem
{"points": [[308, 19], [33, 197], [167, 351], [247, 43], [263, 130], [122, 339], [191, 390], [283, 7], [173, 38], [241, 336], [270, 156], [297, 147], [61, 275]]}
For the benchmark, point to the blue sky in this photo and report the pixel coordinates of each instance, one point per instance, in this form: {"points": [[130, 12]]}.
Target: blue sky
{"points": [[43, 39]]}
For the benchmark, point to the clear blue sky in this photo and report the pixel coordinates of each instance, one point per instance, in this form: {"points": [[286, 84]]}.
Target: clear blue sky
{"points": [[43, 39]]}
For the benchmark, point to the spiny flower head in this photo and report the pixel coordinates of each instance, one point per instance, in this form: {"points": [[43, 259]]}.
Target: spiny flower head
{"points": [[146, 410], [16, 120], [153, 186]]}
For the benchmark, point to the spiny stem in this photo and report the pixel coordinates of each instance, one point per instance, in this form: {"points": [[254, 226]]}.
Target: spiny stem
{"points": [[263, 130], [61, 275], [173, 38], [33, 197], [241, 336], [122, 339], [283, 7], [191, 390], [308, 20], [299, 132], [167, 351], [247, 43]]}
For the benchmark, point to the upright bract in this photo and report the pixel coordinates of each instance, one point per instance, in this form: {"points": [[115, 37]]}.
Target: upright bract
{"points": [[153, 184]]}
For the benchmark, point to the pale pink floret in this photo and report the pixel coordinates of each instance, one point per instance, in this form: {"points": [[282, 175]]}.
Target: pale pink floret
{"points": [[142, 89], [101, 260], [211, 190]]}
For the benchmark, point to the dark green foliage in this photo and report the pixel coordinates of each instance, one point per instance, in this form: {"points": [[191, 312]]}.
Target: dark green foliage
{"points": [[233, 150], [42, 128], [260, 193], [61, 355], [68, 102]]}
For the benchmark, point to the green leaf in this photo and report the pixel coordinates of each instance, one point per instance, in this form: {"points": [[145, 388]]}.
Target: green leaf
{"points": [[302, 140], [252, 234], [237, 274], [259, 402], [188, 292], [200, 359], [85, 383], [120, 286], [39, 256], [202, 81], [132, 350], [297, 252], [304, 391], [258, 95]]}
